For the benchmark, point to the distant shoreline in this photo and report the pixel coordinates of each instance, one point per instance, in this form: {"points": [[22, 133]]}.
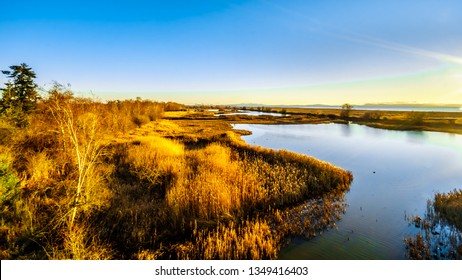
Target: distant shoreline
{"points": [[413, 120], [401, 108], [404, 107]]}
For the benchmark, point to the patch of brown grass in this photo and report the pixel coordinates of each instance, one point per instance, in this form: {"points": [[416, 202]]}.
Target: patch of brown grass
{"points": [[450, 207], [80, 191], [81, 244], [254, 240]]}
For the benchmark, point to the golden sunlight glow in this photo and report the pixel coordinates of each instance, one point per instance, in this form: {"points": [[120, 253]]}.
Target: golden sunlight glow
{"points": [[441, 86]]}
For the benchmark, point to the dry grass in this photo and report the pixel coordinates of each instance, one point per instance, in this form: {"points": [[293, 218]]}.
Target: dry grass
{"points": [[81, 244], [250, 240], [221, 183], [39, 170], [152, 157], [82, 187], [214, 186], [397, 120], [174, 193], [450, 207]]}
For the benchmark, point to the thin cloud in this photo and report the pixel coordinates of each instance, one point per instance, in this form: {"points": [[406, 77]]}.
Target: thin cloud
{"points": [[398, 47], [334, 31]]}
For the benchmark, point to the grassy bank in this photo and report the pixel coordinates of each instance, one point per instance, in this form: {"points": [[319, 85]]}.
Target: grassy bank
{"points": [[395, 120], [88, 180]]}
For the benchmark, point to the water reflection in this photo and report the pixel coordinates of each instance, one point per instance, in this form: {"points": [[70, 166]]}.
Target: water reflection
{"points": [[346, 130], [394, 171], [416, 136], [434, 237], [252, 113]]}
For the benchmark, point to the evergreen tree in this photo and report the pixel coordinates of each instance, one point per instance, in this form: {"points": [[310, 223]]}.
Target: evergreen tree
{"points": [[19, 97]]}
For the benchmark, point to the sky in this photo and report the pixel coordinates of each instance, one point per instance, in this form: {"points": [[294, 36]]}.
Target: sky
{"points": [[275, 52]]}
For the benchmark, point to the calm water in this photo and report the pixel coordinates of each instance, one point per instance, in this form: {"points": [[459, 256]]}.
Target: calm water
{"points": [[395, 173], [451, 109], [252, 113]]}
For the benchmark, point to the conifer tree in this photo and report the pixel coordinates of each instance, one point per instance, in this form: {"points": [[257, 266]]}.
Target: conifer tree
{"points": [[19, 97]]}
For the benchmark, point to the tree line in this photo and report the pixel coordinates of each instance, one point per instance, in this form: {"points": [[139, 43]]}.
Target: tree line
{"points": [[21, 98]]}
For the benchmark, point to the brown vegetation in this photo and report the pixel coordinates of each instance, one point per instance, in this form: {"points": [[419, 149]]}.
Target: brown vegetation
{"points": [[88, 180], [439, 233], [450, 207], [396, 120]]}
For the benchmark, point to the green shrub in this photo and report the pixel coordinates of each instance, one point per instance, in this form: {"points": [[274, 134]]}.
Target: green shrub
{"points": [[8, 180]]}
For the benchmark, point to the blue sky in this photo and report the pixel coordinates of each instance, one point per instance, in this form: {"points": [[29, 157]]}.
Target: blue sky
{"points": [[242, 51]]}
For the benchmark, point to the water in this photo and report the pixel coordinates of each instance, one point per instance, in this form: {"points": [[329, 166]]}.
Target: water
{"points": [[395, 173], [252, 113], [448, 109]]}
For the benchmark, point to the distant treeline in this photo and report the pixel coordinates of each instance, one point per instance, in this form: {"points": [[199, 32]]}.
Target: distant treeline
{"points": [[117, 116], [80, 182]]}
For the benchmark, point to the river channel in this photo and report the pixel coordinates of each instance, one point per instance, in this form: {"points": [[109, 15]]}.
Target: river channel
{"points": [[395, 174]]}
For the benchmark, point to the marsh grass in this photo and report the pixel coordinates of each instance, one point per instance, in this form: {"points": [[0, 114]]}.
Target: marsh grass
{"points": [[178, 200], [217, 185], [449, 206], [396, 120], [77, 185], [248, 240], [439, 233]]}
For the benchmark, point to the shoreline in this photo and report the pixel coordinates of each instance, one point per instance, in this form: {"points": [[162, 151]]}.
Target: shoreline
{"points": [[190, 169], [449, 122]]}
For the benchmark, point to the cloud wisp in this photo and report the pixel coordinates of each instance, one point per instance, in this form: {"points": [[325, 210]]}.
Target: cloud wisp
{"points": [[334, 31], [367, 40]]}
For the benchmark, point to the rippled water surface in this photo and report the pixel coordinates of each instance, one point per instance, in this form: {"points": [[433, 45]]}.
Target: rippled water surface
{"points": [[395, 173]]}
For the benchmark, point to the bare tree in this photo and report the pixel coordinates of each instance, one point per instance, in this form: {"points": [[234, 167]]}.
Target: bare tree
{"points": [[79, 134], [346, 110]]}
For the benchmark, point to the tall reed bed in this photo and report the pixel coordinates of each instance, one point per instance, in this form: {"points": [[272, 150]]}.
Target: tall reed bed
{"points": [[450, 207], [212, 196], [220, 181], [253, 239]]}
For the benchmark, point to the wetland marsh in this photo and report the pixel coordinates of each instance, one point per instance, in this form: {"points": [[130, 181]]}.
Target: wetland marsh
{"points": [[395, 173]]}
